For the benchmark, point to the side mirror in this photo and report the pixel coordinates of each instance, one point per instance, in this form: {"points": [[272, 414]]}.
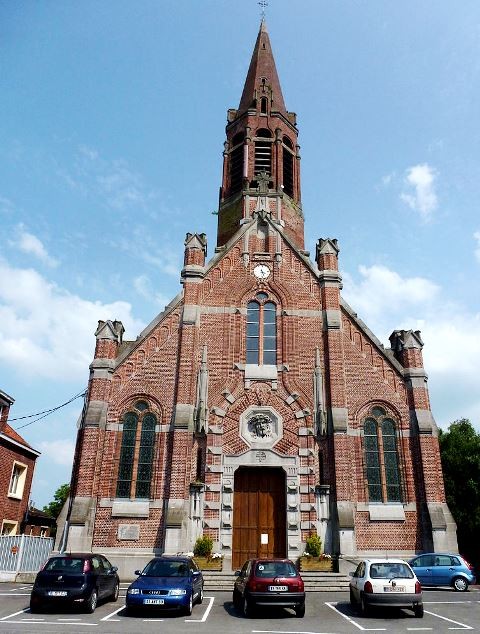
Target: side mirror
{"points": [[137, 572], [351, 573], [113, 569], [237, 573]]}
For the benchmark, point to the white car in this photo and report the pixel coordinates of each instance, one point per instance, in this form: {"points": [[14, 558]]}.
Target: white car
{"points": [[385, 583]]}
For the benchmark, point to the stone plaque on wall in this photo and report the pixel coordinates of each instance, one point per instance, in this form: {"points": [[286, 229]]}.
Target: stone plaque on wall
{"points": [[128, 532]]}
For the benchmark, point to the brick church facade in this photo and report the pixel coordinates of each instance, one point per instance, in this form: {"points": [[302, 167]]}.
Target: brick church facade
{"points": [[257, 408]]}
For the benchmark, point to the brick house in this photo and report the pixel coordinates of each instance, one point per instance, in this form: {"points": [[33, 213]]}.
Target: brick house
{"points": [[17, 465], [257, 407]]}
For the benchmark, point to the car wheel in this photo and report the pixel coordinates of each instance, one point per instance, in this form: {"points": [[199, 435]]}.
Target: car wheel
{"points": [[236, 599], [189, 607], [116, 590], [418, 611], [460, 584], [34, 607], [300, 611], [364, 608], [200, 596], [91, 602], [247, 608]]}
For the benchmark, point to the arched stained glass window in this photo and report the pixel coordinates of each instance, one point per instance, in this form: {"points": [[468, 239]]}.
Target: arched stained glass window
{"points": [[135, 467], [261, 331], [127, 454], [383, 475], [372, 461]]}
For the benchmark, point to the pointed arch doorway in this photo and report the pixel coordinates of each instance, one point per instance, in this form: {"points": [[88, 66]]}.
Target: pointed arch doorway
{"points": [[259, 514]]}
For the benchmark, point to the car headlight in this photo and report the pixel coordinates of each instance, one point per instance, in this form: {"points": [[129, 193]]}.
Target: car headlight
{"points": [[133, 591], [177, 592]]}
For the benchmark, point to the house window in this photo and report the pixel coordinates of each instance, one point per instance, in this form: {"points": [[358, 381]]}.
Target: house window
{"points": [[136, 453], [17, 480], [261, 331], [9, 528], [381, 457]]}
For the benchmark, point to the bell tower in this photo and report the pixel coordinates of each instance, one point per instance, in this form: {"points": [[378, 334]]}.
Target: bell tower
{"points": [[261, 156]]}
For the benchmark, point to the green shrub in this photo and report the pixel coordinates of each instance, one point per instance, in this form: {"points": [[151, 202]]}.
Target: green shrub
{"points": [[313, 545], [203, 546]]}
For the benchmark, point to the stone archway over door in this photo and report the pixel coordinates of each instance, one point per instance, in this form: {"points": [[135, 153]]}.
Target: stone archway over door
{"points": [[259, 508]]}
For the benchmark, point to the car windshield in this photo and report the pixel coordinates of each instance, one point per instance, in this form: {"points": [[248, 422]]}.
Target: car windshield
{"points": [[390, 570], [275, 569], [64, 564], [162, 568]]}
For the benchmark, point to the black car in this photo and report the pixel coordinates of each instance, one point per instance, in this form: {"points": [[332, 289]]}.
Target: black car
{"points": [[76, 579]]}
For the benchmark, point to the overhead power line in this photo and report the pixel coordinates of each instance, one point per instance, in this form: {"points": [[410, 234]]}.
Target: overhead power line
{"points": [[39, 415]]}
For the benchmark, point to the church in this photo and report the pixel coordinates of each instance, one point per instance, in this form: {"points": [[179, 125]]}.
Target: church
{"points": [[257, 408]]}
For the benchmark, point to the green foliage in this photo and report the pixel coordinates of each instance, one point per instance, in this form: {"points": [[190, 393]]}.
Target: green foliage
{"points": [[203, 546], [313, 545], [460, 454], [55, 506]]}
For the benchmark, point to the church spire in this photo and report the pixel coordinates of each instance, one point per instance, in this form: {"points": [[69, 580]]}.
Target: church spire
{"points": [[262, 77], [261, 156]]}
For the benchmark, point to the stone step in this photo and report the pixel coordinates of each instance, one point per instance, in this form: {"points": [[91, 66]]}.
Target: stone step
{"points": [[314, 581]]}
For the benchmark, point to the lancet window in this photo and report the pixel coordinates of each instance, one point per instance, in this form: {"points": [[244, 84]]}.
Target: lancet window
{"points": [[261, 331], [236, 163], [263, 152], [381, 457], [136, 453], [288, 156]]}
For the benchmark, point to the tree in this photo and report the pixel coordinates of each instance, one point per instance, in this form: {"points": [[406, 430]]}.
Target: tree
{"points": [[460, 454], [55, 506]]}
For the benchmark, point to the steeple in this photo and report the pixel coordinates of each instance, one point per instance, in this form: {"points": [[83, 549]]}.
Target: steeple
{"points": [[262, 78], [261, 156]]}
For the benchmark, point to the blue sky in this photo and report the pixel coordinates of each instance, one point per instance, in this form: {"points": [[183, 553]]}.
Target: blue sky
{"points": [[111, 137]]}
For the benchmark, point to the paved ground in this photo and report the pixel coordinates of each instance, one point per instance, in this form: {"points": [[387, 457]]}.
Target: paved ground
{"points": [[327, 613]]}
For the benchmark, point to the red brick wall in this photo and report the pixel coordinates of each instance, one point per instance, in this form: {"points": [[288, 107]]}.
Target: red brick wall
{"points": [[12, 508]]}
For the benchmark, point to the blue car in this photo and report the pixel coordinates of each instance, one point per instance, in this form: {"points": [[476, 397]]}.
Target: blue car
{"points": [[169, 583], [442, 569]]}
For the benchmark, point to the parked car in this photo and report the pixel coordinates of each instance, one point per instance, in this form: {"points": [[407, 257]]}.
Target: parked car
{"points": [[76, 579], [170, 583], [269, 582], [442, 569], [385, 583]]}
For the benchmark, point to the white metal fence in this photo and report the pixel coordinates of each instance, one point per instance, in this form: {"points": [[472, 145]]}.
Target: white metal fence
{"points": [[23, 553]]}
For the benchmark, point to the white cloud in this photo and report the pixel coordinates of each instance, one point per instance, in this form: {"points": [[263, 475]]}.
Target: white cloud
{"points": [[385, 302], [476, 235], [58, 452], [46, 331], [144, 288], [6, 206], [421, 195], [28, 243]]}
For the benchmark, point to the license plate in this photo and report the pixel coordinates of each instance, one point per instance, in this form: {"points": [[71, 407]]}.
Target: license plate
{"points": [[57, 593], [153, 601], [394, 588], [277, 588]]}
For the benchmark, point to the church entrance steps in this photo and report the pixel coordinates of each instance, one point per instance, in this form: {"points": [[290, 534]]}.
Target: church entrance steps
{"points": [[314, 581]]}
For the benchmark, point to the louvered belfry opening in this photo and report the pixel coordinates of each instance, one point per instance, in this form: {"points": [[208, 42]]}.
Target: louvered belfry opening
{"points": [[287, 167], [236, 163], [263, 152]]}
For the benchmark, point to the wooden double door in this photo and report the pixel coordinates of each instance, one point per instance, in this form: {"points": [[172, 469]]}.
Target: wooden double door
{"points": [[259, 514]]}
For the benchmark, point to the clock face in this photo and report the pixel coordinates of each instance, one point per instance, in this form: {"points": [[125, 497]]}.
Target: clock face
{"points": [[261, 271]]}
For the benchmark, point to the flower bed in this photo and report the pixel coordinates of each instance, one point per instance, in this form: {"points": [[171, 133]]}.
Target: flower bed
{"points": [[324, 563], [209, 563]]}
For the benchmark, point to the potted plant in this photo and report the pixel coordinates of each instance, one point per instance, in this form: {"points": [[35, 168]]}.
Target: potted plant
{"points": [[203, 555], [313, 559]]}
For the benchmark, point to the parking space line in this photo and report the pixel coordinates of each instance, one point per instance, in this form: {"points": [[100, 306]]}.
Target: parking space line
{"points": [[9, 616], [463, 626], [18, 594], [284, 632], [417, 629], [23, 621], [107, 618], [205, 616], [333, 606]]}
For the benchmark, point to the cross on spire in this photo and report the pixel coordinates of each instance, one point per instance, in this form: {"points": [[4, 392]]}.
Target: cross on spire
{"points": [[263, 5]]}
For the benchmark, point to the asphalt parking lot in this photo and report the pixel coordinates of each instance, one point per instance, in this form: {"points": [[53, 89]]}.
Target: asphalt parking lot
{"points": [[327, 613]]}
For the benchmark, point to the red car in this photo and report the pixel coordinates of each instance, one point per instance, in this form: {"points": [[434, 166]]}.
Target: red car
{"points": [[269, 583]]}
